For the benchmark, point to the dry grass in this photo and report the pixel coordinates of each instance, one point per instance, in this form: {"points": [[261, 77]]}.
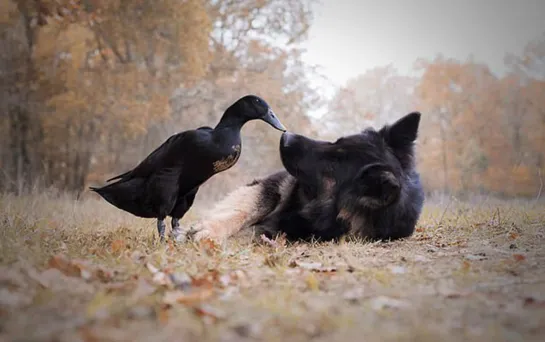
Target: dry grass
{"points": [[473, 271]]}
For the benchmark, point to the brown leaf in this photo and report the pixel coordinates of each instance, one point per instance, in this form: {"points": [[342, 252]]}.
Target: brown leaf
{"points": [[189, 297], [56, 281], [80, 268], [519, 257], [207, 280], [88, 335], [312, 282], [104, 275], [454, 294], [65, 266], [530, 301], [209, 313], [209, 246], [117, 246], [312, 266], [163, 314]]}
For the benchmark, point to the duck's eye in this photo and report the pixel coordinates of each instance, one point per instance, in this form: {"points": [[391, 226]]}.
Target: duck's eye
{"points": [[257, 101]]}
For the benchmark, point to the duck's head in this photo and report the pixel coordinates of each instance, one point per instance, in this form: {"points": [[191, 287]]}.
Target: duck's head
{"points": [[253, 107]]}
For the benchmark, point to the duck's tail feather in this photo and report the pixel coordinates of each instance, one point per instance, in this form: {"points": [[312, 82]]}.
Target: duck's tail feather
{"points": [[126, 195]]}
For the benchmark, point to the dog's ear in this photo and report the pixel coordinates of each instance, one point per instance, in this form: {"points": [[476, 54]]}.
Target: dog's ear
{"points": [[403, 132], [376, 185]]}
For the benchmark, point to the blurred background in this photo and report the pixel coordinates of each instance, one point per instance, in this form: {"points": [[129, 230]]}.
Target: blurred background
{"points": [[90, 87]]}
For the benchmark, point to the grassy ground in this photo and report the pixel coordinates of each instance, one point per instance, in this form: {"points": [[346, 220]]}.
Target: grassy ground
{"points": [[85, 271]]}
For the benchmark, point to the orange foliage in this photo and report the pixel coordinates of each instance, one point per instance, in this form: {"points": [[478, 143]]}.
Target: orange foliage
{"points": [[488, 136], [96, 85]]}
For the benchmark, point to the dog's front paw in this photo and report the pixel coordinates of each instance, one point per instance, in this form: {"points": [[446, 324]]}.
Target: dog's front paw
{"points": [[201, 232]]}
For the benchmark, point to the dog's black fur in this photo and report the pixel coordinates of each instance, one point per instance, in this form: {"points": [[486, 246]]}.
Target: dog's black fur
{"points": [[365, 185]]}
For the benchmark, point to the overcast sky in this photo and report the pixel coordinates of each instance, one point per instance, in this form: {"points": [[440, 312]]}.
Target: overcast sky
{"points": [[351, 36]]}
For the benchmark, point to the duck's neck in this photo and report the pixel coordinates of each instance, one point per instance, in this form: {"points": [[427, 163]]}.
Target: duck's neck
{"points": [[231, 120]]}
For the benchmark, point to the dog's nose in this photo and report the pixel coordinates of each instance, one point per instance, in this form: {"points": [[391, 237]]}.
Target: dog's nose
{"points": [[287, 137]]}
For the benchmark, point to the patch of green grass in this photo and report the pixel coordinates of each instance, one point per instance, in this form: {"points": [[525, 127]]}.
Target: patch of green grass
{"points": [[83, 270]]}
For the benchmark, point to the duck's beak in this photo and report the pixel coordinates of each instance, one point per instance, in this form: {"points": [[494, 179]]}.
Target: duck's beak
{"points": [[272, 120]]}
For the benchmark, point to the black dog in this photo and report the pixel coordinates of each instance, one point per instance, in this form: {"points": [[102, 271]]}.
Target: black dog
{"points": [[364, 185]]}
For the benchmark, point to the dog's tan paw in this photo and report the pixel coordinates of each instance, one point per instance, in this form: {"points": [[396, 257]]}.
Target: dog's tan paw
{"points": [[201, 232]]}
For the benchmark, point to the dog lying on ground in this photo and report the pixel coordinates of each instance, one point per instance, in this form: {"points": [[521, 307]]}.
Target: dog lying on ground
{"points": [[363, 185]]}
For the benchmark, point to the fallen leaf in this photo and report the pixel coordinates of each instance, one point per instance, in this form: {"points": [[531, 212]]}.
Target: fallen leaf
{"points": [[117, 246], [466, 266], [55, 280], [64, 265], [312, 266], [454, 295], [79, 268], [104, 275], [88, 335], [209, 246], [513, 236], [163, 314], [190, 297], [206, 280], [209, 313], [312, 282], [530, 301], [519, 257]]}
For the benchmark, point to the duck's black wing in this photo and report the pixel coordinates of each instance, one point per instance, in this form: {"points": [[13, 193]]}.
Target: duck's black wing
{"points": [[167, 153]]}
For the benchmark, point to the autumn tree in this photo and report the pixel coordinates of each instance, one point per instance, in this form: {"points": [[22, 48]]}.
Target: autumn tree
{"points": [[93, 86], [482, 131], [372, 99]]}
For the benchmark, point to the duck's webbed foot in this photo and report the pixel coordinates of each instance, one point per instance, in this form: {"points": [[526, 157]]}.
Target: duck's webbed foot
{"points": [[177, 234], [161, 226]]}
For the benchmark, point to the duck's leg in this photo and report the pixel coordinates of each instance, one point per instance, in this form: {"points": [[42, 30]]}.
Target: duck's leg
{"points": [[177, 233], [161, 226], [183, 204]]}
